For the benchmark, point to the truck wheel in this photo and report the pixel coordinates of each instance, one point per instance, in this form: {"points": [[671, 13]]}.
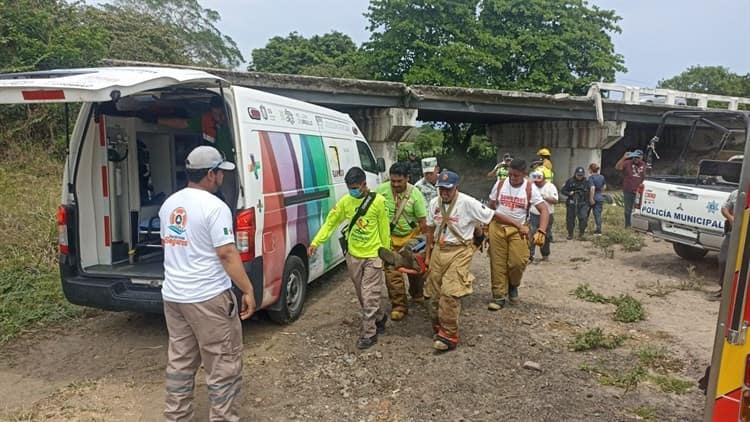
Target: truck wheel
{"points": [[691, 253], [293, 291]]}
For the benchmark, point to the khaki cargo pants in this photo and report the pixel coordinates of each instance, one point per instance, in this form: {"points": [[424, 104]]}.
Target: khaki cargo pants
{"points": [[448, 281], [210, 332], [394, 279], [368, 278], [509, 255]]}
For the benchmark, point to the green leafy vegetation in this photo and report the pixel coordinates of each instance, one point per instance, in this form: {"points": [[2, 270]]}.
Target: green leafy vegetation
{"points": [[716, 80], [628, 309], [659, 360], [646, 413], [651, 364], [596, 339], [670, 384], [30, 291], [622, 378], [584, 292]]}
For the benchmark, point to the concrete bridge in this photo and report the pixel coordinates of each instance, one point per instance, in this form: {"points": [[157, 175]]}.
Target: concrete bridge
{"points": [[578, 129]]}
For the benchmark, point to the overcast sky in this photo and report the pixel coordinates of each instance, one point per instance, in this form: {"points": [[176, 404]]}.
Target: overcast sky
{"points": [[660, 38]]}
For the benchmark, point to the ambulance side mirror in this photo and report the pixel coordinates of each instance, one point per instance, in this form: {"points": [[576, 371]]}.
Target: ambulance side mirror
{"points": [[381, 165]]}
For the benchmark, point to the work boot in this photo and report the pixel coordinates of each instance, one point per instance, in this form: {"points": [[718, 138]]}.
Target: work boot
{"points": [[570, 237], [442, 346], [443, 343], [398, 314], [496, 304], [367, 342], [513, 293], [380, 325]]}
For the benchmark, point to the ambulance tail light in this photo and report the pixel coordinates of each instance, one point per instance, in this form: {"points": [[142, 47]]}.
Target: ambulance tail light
{"points": [[62, 230], [747, 371], [638, 197], [245, 236], [745, 406]]}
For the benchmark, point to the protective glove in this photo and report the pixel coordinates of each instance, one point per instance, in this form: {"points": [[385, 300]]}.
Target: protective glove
{"points": [[539, 238]]}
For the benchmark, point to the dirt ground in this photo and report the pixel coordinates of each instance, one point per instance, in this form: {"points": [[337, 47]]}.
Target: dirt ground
{"points": [[110, 366]]}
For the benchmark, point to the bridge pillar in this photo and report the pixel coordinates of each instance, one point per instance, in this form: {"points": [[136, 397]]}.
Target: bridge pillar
{"points": [[573, 143], [384, 128]]}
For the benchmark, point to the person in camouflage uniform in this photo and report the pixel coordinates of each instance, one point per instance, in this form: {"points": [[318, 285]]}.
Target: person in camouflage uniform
{"points": [[428, 183]]}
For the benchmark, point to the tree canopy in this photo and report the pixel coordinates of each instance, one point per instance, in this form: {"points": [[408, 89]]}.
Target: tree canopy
{"points": [[188, 28], [332, 54], [716, 80], [48, 34], [538, 45]]}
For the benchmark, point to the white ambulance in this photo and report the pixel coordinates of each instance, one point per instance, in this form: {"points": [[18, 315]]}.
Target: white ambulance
{"points": [[126, 155]]}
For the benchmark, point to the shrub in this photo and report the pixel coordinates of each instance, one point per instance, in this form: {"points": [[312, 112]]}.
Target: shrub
{"points": [[596, 339], [628, 309]]}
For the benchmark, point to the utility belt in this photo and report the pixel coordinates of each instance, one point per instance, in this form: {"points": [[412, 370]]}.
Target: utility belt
{"points": [[399, 241], [450, 246]]}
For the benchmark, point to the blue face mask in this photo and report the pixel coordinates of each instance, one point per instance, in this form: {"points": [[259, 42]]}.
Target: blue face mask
{"points": [[356, 192]]}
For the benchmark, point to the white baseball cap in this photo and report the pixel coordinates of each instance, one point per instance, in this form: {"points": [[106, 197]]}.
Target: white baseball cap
{"points": [[429, 164], [207, 157]]}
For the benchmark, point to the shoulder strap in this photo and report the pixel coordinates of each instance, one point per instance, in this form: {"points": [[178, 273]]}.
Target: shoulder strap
{"points": [[402, 205], [499, 188], [447, 222], [528, 196], [361, 210]]}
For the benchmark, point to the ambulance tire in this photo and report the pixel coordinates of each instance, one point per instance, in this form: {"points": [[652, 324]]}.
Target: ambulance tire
{"points": [[691, 253], [293, 291]]}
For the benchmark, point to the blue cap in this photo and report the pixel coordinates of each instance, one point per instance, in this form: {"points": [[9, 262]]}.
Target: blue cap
{"points": [[447, 179], [636, 153], [580, 170]]}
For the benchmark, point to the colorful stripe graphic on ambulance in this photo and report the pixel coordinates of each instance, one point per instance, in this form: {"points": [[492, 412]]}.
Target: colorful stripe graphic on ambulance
{"points": [[278, 160], [294, 165], [315, 174]]}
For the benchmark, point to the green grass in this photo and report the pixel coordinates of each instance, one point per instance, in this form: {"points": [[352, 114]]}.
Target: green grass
{"points": [[596, 339], [628, 309], [646, 413], [659, 360], [614, 231], [627, 379], [673, 385], [584, 292], [30, 291], [651, 364]]}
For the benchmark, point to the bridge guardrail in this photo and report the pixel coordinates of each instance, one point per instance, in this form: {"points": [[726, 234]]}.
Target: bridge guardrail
{"points": [[662, 96]]}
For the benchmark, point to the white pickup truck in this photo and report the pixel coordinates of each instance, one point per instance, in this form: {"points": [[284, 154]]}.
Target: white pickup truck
{"points": [[686, 210]]}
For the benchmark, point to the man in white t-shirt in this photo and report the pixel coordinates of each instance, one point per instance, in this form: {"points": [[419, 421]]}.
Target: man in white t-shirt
{"points": [[201, 311], [456, 219], [550, 196], [509, 247]]}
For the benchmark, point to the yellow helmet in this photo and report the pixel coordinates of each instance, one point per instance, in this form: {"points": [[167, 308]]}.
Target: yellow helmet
{"points": [[544, 151]]}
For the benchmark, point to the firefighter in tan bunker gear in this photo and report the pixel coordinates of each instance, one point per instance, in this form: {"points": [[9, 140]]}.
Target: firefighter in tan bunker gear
{"points": [[456, 219], [509, 245]]}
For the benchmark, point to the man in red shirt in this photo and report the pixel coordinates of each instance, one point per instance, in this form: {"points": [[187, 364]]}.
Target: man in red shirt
{"points": [[633, 170]]}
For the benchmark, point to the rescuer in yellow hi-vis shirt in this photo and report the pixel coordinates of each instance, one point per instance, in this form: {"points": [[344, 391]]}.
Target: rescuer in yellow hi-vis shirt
{"points": [[366, 233], [407, 213]]}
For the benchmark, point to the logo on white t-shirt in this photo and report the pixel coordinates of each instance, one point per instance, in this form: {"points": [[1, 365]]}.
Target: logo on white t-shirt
{"points": [[178, 221]]}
